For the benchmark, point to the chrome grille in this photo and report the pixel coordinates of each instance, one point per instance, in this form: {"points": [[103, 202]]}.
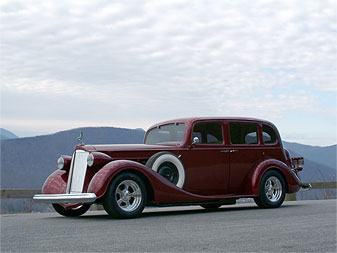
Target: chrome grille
{"points": [[78, 169]]}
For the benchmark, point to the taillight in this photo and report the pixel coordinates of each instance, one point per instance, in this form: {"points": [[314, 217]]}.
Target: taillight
{"points": [[297, 161]]}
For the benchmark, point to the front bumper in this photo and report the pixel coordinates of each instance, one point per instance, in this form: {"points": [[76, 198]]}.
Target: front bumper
{"points": [[305, 187], [65, 198]]}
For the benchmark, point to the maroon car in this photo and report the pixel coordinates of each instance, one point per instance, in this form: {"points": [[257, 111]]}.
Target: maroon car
{"points": [[194, 161]]}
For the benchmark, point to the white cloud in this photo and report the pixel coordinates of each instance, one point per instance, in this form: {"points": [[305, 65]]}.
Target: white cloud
{"points": [[155, 60]]}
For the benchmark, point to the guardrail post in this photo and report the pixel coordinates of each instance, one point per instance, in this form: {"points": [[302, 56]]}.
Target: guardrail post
{"points": [[96, 207], [290, 197]]}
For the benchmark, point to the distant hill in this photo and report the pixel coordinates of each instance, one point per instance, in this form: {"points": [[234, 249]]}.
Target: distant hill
{"points": [[5, 134], [321, 155], [314, 171], [27, 162]]}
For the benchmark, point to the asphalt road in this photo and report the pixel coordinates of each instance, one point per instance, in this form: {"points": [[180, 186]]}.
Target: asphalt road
{"points": [[300, 226]]}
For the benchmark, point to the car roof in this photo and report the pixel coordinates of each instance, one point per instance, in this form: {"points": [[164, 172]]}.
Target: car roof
{"points": [[193, 119]]}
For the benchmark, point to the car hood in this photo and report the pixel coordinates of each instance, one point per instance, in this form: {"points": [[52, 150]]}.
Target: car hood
{"points": [[125, 147]]}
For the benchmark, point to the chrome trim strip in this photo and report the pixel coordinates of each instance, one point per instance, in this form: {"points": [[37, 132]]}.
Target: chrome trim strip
{"points": [[65, 198], [77, 172], [70, 173]]}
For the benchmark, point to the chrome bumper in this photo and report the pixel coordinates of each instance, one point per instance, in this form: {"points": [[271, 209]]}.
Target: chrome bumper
{"points": [[65, 198], [305, 187]]}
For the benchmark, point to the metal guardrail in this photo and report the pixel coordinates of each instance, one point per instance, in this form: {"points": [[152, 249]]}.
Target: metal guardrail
{"points": [[314, 185], [26, 194], [323, 185], [18, 194]]}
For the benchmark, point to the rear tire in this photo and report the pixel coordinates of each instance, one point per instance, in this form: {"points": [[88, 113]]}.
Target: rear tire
{"points": [[71, 212], [126, 196], [272, 190]]}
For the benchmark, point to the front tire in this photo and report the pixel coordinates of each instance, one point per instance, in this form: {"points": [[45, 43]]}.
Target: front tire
{"points": [[126, 196], [272, 190], [71, 212]]}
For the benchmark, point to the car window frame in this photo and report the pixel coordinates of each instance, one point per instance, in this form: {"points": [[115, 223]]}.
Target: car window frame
{"points": [[258, 131], [208, 145], [178, 122], [275, 132]]}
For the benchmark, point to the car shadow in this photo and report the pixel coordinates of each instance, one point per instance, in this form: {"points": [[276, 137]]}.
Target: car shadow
{"points": [[194, 211], [157, 212]]}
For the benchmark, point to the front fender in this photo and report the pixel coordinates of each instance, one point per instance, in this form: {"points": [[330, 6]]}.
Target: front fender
{"points": [[253, 186], [56, 183], [164, 191], [101, 180]]}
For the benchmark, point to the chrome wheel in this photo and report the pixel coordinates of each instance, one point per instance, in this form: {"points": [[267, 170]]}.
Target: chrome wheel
{"points": [[128, 195], [273, 189]]}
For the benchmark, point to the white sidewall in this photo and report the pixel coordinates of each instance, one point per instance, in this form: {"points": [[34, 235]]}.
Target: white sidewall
{"points": [[171, 158]]}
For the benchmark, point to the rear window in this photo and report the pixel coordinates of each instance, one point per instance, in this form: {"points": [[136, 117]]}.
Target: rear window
{"points": [[268, 135], [243, 133]]}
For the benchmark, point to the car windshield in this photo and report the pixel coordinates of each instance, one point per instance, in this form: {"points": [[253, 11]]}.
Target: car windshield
{"points": [[166, 134]]}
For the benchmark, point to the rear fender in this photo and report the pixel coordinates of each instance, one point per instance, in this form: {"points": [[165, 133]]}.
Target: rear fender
{"points": [[292, 182]]}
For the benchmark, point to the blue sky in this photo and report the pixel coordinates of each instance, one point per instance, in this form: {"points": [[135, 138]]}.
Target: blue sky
{"points": [[67, 64]]}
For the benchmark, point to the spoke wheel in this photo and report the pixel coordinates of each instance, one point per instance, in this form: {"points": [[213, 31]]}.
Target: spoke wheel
{"points": [[272, 190], [125, 197]]}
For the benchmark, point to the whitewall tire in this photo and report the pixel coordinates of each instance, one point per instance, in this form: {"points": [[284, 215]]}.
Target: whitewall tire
{"points": [[169, 166]]}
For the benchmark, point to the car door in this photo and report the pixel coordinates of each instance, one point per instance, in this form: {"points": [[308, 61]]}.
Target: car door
{"points": [[245, 153], [206, 164]]}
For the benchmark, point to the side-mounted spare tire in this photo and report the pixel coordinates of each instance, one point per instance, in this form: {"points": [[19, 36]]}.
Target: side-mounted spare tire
{"points": [[169, 166]]}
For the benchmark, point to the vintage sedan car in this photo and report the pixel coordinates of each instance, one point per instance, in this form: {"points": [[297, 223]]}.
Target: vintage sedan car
{"points": [[193, 161]]}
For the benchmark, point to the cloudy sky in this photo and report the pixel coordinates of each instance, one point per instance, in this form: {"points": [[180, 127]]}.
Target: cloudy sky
{"points": [[67, 64]]}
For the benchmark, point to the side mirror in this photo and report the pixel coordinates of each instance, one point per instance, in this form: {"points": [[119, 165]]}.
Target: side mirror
{"points": [[195, 140]]}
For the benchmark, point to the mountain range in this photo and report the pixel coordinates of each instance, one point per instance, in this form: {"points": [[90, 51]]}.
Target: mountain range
{"points": [[5, 134], [27, 162]]}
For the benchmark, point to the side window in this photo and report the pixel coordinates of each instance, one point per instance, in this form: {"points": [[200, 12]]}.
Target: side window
{"points": [[208, 133], [269, 135], [243, 133]]}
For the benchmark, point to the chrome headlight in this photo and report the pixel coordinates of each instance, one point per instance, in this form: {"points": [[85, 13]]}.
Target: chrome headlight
{"points": [[90, 160], [60, 163]]}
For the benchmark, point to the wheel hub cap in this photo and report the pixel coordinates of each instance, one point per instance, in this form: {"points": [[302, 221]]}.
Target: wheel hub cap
{"points": [[169, 172], [128, 195], [273, 189]]}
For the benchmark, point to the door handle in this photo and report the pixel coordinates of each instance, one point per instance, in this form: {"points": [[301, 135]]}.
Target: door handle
{"points": [[229, 150]]}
